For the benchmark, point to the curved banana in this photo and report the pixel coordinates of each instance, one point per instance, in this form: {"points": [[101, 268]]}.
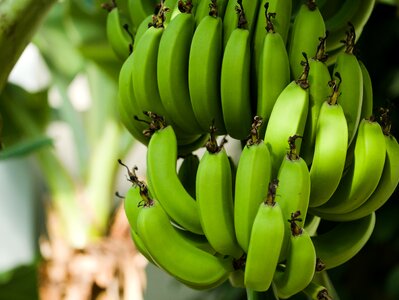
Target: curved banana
{"points": [[164, 181], [281, 12], [117, 36], [300, 264], [142, 29], [215, 198], [204, 66], [235, 81], [288, 118], [188, 171], [316, 291], [305, 32], [367, 103], [293, 190], [386, 186], [351, 87], [140, 9], [357, 185], [251, 184], [127, 105], [144, 76], [266, 240], [356, 12], [311, 224], [172, 70], [177, 256], [330, 150], [273, 73], [319, 91], [231, 18], [348, 237]]}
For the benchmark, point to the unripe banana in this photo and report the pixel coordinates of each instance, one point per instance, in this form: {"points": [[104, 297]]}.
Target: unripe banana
{"points": [[273, 72], [386, 186], [281, 9], [367, 103], [252, 180], [235, 82], [357, 185], [351, 88], [311, 224], [330, 150], [203, 9], [288, 118], [300, 264], [188, 171], [215, 199], [164, 181], [144, 76], [177, 256], [204, 66], [127, 104], [172, 71], [305, 32], [348, 237], [117, 36], [140, 9], [319, 91], [293, 190], [141, 30], [266, 240], [316, 291]]}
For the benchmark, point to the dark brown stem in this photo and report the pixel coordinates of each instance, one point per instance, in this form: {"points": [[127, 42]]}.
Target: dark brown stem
{"points": [[185, 6], [212, 145], [254, 138], [213, 9], [271, 193], [295, 228], [156, 123], [302, 81], [242, 20], [292, 154], [159, 17], [350, 40], [321, 54], [311, 4], [334, 84]]}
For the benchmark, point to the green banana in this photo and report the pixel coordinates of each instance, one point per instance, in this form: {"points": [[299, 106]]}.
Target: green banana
{"points": [[188, 172], [281, 10], [266, 240], [319, 91], [204, 66], [232, 18], [316, 291], [251, 184], [386, 186], [274, 71], [351, 87], [117, 36], [203, 9], [367, 103], [287, 118], [293, 190], [172, 70], [356, 12], [142, 29], [305, 32], [235, 81], [300, 264], [164, 181], [344, 241], [330, 150], [127, 105], [140, 9], [311, 224], [357, 185], [144, 76], [214, 195], [177, 256]]}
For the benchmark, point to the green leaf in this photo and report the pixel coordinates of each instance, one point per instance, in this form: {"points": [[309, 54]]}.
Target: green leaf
{"points": [[25, 147]]}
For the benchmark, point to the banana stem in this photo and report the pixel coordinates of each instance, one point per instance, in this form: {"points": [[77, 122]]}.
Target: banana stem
{"points": [[18, 23], [252, 295]]}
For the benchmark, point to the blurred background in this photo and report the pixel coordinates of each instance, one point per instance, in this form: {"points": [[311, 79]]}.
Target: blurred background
{"points": [[63, 234]]}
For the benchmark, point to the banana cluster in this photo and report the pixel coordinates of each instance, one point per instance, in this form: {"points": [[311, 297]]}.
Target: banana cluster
{"points": [[198, 73]]}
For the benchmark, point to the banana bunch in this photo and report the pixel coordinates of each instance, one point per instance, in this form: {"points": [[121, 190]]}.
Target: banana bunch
{"points": [[197, 74]]}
